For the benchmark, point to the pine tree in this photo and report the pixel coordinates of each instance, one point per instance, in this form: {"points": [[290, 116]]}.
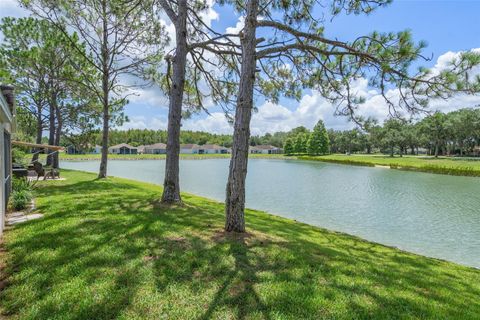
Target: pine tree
{"points": [[300, 144], [318, 141], [288, 147]]}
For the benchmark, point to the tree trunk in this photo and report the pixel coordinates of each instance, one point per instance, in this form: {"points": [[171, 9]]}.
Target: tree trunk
{"points": [[105, 90], [58, 134], [235, 193], [106, 118], [436, 150], [51, 135], [38, 139], [171, 184]]}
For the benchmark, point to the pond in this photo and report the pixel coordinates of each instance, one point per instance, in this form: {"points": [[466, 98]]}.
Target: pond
{"points": [[433, 215]]}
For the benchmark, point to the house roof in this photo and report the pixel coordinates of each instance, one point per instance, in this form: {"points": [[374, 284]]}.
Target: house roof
{"points": [[264, 147], [7, 104], [189, 146], [7, 92], [156, 146], [122, 145], [213, 147]]}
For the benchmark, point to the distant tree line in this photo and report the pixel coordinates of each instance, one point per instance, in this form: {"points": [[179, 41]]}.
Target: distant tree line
{"points": [[453, 133]]}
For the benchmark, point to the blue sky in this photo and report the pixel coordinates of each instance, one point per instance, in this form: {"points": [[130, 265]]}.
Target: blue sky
{"points": [[447, 26]]}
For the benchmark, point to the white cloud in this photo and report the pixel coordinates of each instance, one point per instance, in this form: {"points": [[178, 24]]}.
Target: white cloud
{"points": [[312, 107], [215, 123], [142, 122], [150, 97], [136, 122]]}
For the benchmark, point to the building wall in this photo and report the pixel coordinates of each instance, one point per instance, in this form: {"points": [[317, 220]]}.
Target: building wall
{"points": [[4, 127], [189, 151], [2, 179], [215, 151], [155, 151]]}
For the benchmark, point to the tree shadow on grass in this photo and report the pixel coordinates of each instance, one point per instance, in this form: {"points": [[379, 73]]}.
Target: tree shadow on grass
{"points": [[105, 251]]}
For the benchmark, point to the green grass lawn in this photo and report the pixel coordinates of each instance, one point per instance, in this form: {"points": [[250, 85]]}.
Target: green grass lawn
{"points": [[105, 250], [442, 165]]}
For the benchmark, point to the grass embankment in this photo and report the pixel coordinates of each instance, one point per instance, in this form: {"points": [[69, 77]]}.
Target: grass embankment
{"points": [[441, 165], [105, 250]]}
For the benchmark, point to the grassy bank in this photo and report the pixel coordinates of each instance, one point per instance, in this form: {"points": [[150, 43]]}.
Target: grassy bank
{"points": [[77, 157], [441, 165], [105, 249]]}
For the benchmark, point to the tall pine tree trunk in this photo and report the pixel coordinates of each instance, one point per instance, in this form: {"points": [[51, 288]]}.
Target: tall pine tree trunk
{"points": [[58, 134], [105, 92], [235, 198], [38, 139], [103, 162], [51, 129], [171, 184]]}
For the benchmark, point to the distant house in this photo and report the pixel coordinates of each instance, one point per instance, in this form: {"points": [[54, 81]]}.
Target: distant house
{"points": [[422, 150], [123, 148], [157, 148], [7, 126], [141, 149], [97, 149], [265, 149], [190, 148], [71, 149], [476, 151], [212, 149]]}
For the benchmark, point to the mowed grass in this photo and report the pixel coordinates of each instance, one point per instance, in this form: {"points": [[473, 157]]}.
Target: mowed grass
{"points": [[441, 165], [105, 249]]}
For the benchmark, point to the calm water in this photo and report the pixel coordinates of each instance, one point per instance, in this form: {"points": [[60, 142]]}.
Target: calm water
{"points": [[434, 215]]}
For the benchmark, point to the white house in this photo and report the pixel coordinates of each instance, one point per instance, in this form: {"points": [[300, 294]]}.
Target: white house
{"points": [[123, 148], [7, 126], [265, 149], [157, 148], [189, 148], [212, 149], [97, 149]]}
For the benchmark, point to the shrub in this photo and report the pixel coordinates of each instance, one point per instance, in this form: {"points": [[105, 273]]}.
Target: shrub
{"points": [[19, 156], [22, 184], [20, 199]]}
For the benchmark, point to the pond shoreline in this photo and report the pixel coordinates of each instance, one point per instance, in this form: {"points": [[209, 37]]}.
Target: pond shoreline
{"points": [[468, 169], [369, 202], [292, 220]]}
